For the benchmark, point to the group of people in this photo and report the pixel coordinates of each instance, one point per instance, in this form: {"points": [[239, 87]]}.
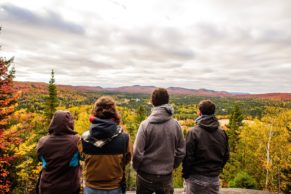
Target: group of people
{"points": [[106, 149]]}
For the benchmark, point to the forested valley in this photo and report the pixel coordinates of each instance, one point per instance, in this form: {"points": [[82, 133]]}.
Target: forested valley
{"points": [[258, 130]]}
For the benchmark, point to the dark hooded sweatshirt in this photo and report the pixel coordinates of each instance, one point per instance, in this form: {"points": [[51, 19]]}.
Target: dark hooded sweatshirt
{"points": [[59, 175], [159, 145], [206, 148]]}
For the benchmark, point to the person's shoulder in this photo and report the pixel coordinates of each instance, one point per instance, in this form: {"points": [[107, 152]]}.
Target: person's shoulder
{"points": [[144, 123], [77, 137], [175, 122], [195, 129], [43, 139], [222, 131]]}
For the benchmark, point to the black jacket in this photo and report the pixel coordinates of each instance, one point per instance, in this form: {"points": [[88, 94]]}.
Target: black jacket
{"points": [[207, 148]]}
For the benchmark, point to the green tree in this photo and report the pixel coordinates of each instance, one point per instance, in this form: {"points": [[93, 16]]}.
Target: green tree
{"points": [[235, 123], [236, 161], [52, 99], [141, 114]]}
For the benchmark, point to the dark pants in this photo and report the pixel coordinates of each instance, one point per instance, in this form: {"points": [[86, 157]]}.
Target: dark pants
{"points": [[202, 185], [159, 184]]}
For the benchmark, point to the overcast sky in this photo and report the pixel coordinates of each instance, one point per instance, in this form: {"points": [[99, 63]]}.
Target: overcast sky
{"points": [[236, 46]]}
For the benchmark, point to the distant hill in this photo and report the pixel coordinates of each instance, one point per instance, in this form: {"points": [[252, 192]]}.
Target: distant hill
{"points": [[268, 96], [39, 87]]}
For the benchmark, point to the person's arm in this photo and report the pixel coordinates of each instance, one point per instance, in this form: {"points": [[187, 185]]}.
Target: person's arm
{"points": [[39, 146], [80, 149], [180, 151], [138, 148], [190, 150]]}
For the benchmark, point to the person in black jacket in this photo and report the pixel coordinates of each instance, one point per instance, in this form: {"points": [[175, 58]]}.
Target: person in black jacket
{"points": [[207, 151]]}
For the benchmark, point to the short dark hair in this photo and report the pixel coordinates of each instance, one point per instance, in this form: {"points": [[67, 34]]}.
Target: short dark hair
{"points": [[160, 96], [206, 107]]}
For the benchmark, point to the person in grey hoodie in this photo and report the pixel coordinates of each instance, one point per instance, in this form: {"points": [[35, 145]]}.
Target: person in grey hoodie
{"points": [[159, 147]]}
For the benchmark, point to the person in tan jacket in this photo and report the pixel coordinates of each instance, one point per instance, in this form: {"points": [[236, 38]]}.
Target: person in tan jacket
{"points": [[106, 149]]}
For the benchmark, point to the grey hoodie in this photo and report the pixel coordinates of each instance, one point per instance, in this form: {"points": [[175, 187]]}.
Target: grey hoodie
{"points": [[159, 146]]}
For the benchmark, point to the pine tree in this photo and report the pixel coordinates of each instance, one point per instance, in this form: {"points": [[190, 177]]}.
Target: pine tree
{"points": [[52, 99], [140, 113], [235, 123]]}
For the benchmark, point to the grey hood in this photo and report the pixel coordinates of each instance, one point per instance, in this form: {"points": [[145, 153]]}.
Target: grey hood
{"points": [[208, 122], [161, 114]]}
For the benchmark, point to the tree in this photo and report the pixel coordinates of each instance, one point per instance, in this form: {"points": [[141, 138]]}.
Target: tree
{"points": [[267, 149], [236, 160], [52, 99], [8, 100], [140, 113], [7, 95], [235, 122]]}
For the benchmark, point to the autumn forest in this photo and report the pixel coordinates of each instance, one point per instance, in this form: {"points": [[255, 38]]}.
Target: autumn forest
{"points": [[258, 130]]}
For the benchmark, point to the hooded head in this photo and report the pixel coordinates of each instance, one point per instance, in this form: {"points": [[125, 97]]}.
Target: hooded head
{"points": [[62, 123]]}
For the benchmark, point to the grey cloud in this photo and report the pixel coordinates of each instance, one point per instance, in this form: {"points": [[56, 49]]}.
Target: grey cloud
{"points": [[207, 55], [52, 19]]}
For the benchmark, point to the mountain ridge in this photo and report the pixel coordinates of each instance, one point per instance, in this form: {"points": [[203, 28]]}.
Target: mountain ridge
{"points": [[41, 87]]}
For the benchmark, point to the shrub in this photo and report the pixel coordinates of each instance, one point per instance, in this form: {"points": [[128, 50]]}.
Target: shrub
{"points": [[243, 180]]}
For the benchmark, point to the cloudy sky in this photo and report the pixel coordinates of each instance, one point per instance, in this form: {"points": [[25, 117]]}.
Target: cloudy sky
{"points": [[237, 46]]}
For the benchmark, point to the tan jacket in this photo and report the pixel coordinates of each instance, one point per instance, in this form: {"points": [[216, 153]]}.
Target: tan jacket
{"points": [[104, 171], [103, 166]]}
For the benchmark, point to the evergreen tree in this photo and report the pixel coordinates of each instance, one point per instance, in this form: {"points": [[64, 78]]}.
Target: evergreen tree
{"points": [[52, 99], [235, 123], [141, 114]]}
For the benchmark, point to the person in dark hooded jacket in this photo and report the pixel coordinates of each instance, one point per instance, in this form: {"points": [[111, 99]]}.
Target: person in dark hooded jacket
{"points": [[59, 155], [207, 152], [106, 149]]}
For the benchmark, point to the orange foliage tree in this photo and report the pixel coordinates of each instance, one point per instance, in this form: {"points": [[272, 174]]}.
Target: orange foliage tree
{"points": [[7, 106]]}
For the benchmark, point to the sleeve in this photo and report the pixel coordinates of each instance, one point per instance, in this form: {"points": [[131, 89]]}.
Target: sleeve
{"points": [[180, 148], [39, 148], [226, 154], [190, 150], [139, 146], [80, 150]]}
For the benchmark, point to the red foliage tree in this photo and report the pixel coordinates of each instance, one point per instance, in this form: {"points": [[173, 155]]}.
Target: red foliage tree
{"points": [[7, 106]]}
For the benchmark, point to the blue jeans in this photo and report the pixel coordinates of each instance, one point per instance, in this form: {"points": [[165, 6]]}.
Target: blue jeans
{"points": [[88, 190], [198, 184]]}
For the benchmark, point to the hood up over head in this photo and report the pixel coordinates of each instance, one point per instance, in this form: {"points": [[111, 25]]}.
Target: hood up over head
{"points": [[62, 123]]}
